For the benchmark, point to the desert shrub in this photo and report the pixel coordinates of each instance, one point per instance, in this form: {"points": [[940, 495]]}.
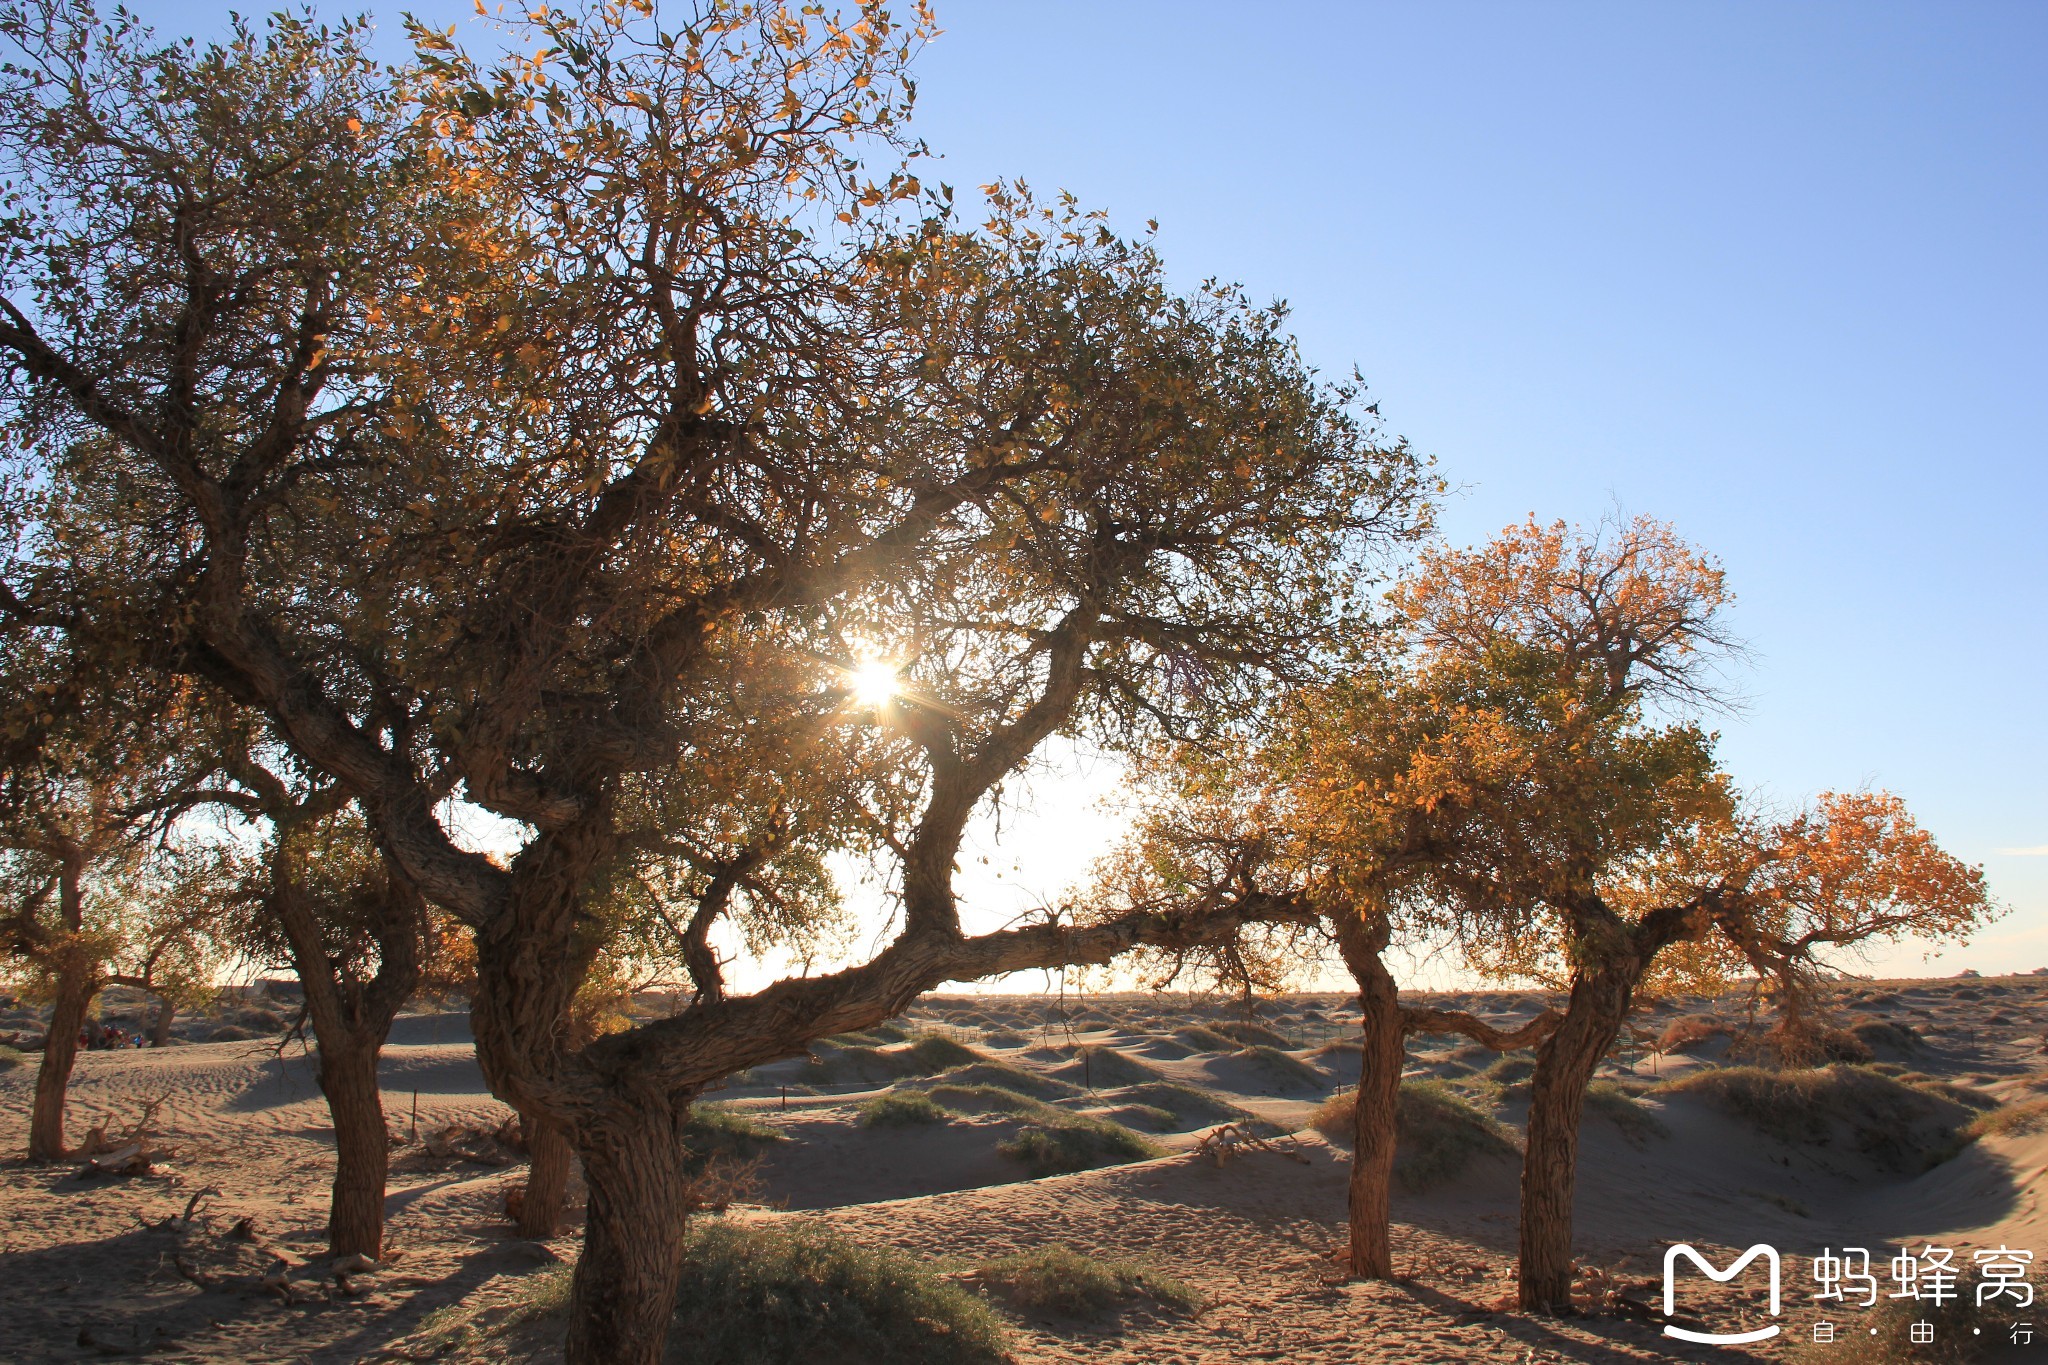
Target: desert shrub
{"points": [[1278, 1068], [991, 1099], [1689, 1032], [1968, 1096], [1202, 1039], [1899, 1126], [1056, 1279], [2013, 1120], [901, 1109], [1147, 1116], [1005, 1037], [1619, 1107], [1186, 1103], [715, 1133], [1877, 1033], [1841, 1045], [1075, 1142], [1439, 1132], [1341, 1052], [839, 1063], [1107, 1069], [9, 1059], [756, 1295], [232, 1033], [1254, 1035], [935, 1052], [1014, 1079], [262, 1021]]}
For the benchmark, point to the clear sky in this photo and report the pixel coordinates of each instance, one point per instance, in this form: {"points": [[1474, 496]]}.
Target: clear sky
{"points": [[1777, 273]]}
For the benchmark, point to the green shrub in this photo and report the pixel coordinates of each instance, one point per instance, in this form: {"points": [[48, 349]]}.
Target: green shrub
{"points": [[1279, 1069], [1189, 1105], [991, 1099], [1899, 1126], [1147, 1116], [1619, 1107], [1104, 1068], [935, 1052], [899, 1109], [1508, 1069], [1056, 1279], [1203, 1039], [1075, 1142], [986, 1073], [798, 1292], [9, 1059], [1254, 1035], [715, 1132], [1438, 1133]]}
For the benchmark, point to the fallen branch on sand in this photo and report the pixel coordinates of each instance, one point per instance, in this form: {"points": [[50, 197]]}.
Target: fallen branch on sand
{"points": [[1235, 1139]]}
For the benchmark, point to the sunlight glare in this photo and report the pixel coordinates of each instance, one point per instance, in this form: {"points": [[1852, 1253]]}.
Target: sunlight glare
{"points": [[873, 682]]}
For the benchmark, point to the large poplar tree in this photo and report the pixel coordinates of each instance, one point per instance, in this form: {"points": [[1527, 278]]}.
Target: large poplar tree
{"points": [[490, 426]]}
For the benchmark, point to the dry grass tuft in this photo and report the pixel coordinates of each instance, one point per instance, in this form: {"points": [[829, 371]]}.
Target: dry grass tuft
{"points": [[1440, 1132], [1057, 1279], [1899, 1126]]}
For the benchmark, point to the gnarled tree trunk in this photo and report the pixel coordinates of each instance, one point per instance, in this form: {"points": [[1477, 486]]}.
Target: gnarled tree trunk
{"points": [[1565, 1063], [362, 1147], [75, 990], [625, 1286], [77, 983], [351, 1019], [547, 1176], [166, 1014], [1376, 1118]]}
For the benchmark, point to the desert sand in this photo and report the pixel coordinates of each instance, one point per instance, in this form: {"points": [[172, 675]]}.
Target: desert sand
{"points": [[98, 1268]]}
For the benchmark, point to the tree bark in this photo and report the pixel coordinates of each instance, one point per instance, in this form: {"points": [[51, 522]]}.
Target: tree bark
{"points": [[625, 1286], [75, 990], [1565, 1063], [547, 1176], [362, 1145], [1376, 1118], [166, 1013], [351, 1019]]}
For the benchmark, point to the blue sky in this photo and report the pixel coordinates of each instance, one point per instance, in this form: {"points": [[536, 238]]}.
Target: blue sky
{"points": [[1777, 273]]}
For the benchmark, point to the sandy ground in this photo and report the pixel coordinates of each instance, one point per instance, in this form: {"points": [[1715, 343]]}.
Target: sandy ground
{"points": [[92, 1269]]}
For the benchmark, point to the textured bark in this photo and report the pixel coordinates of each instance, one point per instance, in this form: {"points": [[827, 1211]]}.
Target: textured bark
{"points": [[75, 990], [1564, 1067], [1376, 1124], [547, 1176], [362, 1150], [625, 1286], [166, 1014], [351, 1019]]}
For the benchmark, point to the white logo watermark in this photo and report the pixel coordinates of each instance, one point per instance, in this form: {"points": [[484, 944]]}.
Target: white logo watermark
{"points": [[1768, 1252]]}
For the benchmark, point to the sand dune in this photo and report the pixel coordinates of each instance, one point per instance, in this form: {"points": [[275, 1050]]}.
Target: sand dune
{"points": [[87, 1262]]}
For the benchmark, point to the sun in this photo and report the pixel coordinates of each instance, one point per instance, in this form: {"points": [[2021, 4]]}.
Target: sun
{"points": [[874, 682]]}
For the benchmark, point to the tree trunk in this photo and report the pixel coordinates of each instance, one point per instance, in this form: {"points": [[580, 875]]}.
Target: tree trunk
{"points": [[75, 989], [166, 1012], [1376, 1122], [362, 1146], [625, 1284], [1565, 1063], [547, 1176]]}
